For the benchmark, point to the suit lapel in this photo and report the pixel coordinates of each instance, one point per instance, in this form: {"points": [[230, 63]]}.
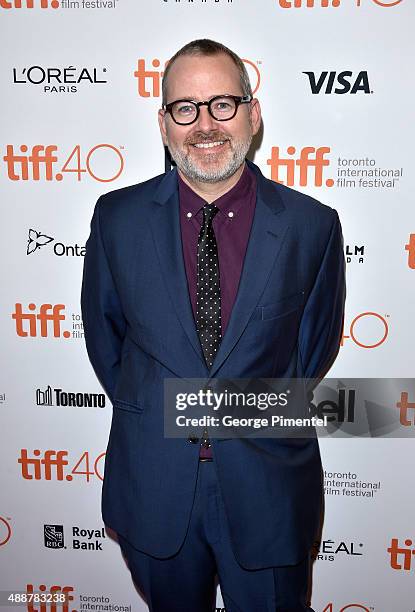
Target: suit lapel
{"points": [[269, 229], [167, 236]]}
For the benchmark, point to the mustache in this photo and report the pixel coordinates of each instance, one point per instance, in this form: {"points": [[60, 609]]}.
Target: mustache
{"points": [[201, 137]]}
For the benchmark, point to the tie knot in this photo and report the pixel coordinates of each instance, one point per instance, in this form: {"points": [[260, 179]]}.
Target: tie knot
{"points": [[209, 211]]}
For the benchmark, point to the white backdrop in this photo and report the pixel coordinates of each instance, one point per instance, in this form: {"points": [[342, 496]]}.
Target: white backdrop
{"points": [[80, 93]]}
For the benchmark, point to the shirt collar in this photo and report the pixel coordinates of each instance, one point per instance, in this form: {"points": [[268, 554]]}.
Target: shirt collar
{"points": [[231, 201]]}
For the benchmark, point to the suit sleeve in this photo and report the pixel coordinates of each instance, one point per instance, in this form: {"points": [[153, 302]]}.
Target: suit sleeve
{"points": [[102, 315], [322, 321]]}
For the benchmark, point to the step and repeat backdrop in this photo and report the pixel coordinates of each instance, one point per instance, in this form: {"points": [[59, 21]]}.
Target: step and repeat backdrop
{"points": [[81, 84]]}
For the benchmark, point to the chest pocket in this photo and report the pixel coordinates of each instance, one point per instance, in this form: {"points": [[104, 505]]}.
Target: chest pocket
{"points": [[281, 308]]}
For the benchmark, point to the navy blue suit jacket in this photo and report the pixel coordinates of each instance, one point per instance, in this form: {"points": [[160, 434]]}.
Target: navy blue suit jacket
{"points": [[139, 329]]}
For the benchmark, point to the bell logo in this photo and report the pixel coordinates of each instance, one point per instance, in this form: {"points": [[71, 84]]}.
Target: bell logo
{"points": [[149, 79], [309, 157], [47, 313], [18, 4], [346, 83], [410, 247], [401, 556]]}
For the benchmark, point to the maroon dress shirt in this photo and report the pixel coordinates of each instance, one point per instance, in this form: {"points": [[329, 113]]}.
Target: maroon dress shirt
{"points": [[232, 226]]}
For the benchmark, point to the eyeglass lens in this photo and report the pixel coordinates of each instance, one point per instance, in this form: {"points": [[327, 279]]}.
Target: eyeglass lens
{"points": [[220, 108]]}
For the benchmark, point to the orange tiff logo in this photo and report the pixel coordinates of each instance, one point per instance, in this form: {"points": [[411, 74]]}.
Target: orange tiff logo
{"points": [[53, 598], [52, 465], [333, 3], [42, 162], [32, 324], [44, 4], [410, 247], [401, 556], [404, 406], [149, 79], [284, 169]]}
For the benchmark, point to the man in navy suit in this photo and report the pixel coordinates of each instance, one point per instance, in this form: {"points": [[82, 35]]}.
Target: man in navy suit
{"points": [[210, 270]]}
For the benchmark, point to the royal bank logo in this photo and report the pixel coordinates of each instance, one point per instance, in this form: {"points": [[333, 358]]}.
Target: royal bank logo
{"points": [[345, 82], [82, 539], [36, 240], [53, 536]]}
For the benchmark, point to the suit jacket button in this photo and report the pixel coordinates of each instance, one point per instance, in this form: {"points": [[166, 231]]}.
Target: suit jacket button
{"points": [[193, 439]]}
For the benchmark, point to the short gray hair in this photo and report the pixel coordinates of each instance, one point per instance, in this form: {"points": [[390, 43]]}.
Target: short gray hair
{"points": [[204, 46]]}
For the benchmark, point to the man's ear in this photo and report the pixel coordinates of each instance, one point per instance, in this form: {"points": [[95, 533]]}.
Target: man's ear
{"points": [[255, 112], [162, 125]]}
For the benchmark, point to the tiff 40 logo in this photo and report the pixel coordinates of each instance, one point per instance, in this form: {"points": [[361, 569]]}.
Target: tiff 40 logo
{"points": [[149, 78], [335, 3], [103, 163], [53, 465], [353, 607], [368, 330]]}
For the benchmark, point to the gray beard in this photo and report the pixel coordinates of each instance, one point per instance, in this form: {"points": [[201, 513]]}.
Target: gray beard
{"points": [[193, 172]]}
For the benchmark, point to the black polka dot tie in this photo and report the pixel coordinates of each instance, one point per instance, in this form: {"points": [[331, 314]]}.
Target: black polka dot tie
{"points": [[208, 317]]}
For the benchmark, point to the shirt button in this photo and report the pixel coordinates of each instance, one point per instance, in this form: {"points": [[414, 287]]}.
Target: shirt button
{"points": [[188, 215], [230, 214]]}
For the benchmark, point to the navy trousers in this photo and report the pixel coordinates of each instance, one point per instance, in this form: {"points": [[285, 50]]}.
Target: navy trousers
{"points": [[187, 581]]}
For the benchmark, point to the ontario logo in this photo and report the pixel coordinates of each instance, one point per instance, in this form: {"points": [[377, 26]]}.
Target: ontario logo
{"points": [[36, 240]]}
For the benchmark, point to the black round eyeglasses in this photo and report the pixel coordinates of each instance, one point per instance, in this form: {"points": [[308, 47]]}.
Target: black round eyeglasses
{"points": [[221, 108]]}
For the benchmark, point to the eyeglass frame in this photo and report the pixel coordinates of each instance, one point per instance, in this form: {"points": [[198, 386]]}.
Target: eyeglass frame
{"points": [[237, 99]]}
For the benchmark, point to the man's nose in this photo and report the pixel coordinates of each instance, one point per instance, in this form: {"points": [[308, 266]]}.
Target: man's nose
{"points": [[205, 120]]}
